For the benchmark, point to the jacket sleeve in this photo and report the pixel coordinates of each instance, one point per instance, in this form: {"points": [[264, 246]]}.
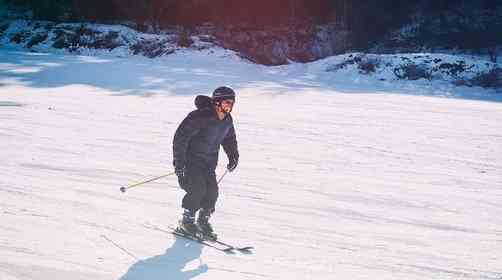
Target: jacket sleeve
{"points": [[188, 128], [230, 144]]}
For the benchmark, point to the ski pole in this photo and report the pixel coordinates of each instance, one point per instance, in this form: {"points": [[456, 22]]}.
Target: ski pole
{"points": [[221, 178], [123, 189]]}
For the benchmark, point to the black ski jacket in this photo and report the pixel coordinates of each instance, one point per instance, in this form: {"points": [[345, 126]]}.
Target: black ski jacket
{"points": [[199, 136]]}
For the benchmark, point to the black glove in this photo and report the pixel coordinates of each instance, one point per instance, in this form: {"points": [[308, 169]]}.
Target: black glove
{"points": [[180, 172], [232, 164]]}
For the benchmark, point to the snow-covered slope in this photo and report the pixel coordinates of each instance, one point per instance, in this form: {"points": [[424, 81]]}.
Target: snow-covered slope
{"points": [[340, 177]]}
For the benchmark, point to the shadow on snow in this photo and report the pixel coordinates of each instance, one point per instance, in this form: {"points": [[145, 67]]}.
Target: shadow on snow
{"points": [[170, 265]]}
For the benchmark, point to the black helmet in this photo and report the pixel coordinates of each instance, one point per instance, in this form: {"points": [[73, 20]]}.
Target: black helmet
{"points": [[222, 93]]}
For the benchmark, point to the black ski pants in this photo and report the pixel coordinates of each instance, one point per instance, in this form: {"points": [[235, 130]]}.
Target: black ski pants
{"points": [[201, 187]]}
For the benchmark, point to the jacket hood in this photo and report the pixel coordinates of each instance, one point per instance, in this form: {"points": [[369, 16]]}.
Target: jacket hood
{"points": [[202, 101]]}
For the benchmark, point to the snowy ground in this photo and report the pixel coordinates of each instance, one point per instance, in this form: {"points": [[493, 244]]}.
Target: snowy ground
{"points": [[339, 178]]}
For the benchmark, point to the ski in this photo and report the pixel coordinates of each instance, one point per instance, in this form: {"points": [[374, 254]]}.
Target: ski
{"points": [[227, 250], [230, 248], [173, 231], [246, 249]]}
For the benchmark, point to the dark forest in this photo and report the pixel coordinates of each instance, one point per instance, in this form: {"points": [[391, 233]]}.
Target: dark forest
{"points": [[462, 24]]}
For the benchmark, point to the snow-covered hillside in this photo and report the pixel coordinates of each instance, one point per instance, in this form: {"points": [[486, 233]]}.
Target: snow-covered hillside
{"points": [[121, 41], [271, 47], [342, 175]]}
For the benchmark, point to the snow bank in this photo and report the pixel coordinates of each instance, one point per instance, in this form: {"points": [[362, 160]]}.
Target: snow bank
{"points": [[429, 71], [93, 39], [423, 68]]}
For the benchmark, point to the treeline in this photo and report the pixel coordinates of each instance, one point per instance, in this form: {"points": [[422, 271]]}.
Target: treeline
{"points": [[368, 19], [257, 12]]}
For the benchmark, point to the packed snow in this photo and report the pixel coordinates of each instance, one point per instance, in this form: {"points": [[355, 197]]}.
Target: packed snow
{"points": [[341, 175]]}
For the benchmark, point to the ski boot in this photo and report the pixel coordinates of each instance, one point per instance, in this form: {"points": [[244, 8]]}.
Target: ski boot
{"points": [[204, 226], [187, 224]]}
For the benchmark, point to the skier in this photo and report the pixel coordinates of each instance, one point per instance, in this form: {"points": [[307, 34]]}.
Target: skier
{"points": [[196, 146]]}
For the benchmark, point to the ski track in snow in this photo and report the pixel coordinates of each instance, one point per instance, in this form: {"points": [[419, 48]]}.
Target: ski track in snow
{"points": [[332, 184]]}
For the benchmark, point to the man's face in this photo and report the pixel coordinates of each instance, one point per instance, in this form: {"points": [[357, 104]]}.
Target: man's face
{"points": [[226, 105]]}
